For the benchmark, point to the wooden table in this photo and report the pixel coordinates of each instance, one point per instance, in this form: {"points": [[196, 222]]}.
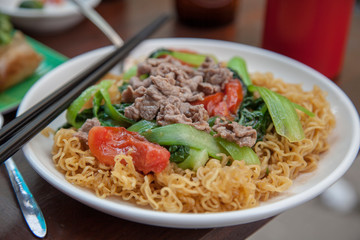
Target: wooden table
{"points": [[67, 218]]}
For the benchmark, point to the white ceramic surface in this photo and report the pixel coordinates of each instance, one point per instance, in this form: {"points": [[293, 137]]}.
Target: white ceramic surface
{"points": [[51, 19], [334, 163]]}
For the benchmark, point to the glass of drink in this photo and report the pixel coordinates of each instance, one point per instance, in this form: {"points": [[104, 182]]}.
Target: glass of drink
{"points": [[311, 31]]}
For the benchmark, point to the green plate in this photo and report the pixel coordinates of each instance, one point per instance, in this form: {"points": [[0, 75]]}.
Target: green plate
{"points": [[10, 98]]}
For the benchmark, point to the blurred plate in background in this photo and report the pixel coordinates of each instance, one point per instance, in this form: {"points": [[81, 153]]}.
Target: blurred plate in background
{"points": [[10, 98], [52, 18]]}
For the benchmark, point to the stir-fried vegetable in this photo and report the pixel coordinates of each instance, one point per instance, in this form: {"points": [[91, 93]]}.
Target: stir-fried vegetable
{"points": [[283, 114], [79, 102], [142, 126], [189, 58], [239, 153], [238, 65], [178, 153], [253, 112], [182, 134], [108, 111], [282, 110], [197, 158], [185, 135]]}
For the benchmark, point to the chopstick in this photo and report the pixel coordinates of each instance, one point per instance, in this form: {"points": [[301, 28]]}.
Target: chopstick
{"points": [[20, 130]]}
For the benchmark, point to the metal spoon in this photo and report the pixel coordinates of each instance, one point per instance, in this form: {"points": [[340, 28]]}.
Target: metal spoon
{"points": [[29, 208], [102, 25], [100, 22]]}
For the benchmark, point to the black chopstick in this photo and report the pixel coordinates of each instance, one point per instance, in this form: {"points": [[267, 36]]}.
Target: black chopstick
{"points": [[16, 133]]}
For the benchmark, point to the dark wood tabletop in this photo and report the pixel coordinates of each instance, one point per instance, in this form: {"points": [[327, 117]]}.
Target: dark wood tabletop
{"points": [[67, 218]]}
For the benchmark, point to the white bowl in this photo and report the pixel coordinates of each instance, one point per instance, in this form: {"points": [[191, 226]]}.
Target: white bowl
{"points": [[51, 19], [344, 140]]}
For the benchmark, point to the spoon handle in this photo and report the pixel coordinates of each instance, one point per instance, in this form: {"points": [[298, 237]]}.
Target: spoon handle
{"points": [[30, 209], [100, 22]]}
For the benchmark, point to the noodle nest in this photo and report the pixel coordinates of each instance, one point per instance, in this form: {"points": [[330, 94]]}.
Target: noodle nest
{"points": [[218, 186]]}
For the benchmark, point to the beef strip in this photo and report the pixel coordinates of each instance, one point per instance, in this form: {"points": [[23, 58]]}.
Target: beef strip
{"points": [[214, 74], [127, 95], [83, 132], [168, 88], [173, 110], [146, 105], [135, 82], [208, 88], [234, 132]]}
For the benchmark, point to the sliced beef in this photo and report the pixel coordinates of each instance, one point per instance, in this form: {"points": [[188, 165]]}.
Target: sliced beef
{"points": [[234, 132], [143, 68], [168, 88], [146, 105], [83, 132], [173, 110], [208, 88], [135, 82], [191, 83], [214, 74]]}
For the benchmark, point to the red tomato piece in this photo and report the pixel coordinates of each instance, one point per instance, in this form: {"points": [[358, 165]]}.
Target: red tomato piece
{"points": [[107, 142], [210, 102], [233, 95], [224, 103], [221, 109]]}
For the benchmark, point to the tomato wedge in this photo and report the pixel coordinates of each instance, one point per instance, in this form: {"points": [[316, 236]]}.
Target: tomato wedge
{"points": [[107, 142], [210, 102], [233, 95], [224, 103]]}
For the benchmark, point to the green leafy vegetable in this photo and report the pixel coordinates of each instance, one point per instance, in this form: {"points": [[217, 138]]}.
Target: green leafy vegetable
{"points": [[283, 114], [193, 59], [282, 110], [239, 153], [253, 112], [197, 158], [112, 111], [142, 126], [178, 153], [238, 65], [79, 102], [182, 134], [108, 114]]}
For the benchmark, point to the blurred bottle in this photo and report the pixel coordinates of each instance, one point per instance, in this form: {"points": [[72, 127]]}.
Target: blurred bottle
{"points": [[206, 13], [311, 31]]}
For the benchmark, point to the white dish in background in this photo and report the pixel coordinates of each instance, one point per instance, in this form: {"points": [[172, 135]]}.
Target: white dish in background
{"points": [[333, 164], [52, 18]]}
